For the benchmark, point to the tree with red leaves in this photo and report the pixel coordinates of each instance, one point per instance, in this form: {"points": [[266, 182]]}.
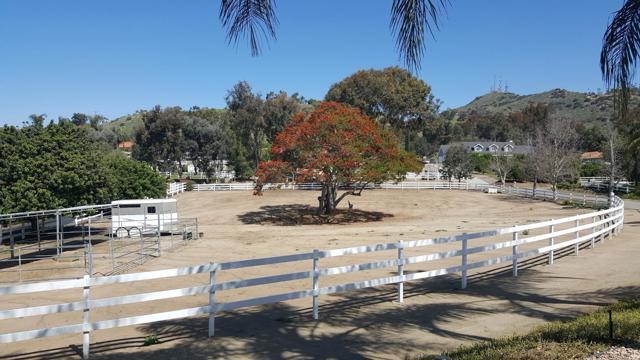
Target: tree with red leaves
{"points": [[336, 146]]}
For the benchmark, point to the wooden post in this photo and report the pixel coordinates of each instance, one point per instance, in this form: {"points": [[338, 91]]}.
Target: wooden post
{"points": [[463, 284], [577, 245], [400, 271], [602, 229], [551, 243], [315, 282], [212, 301], [514, 252], [86, 325]]}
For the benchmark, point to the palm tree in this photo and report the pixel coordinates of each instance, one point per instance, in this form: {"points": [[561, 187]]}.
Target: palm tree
{"points": [[618, 59], [256, 20], [620, 53]]}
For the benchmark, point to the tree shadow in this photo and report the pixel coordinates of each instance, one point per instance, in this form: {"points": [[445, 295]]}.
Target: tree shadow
{"points": [[300, 214]]}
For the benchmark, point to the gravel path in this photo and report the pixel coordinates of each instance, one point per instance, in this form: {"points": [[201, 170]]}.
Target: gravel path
{"points": [[616, 353]]}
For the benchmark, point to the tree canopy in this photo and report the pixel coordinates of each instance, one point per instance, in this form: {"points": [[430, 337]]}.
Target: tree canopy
{"points": [[335, 145], [59, 165]]}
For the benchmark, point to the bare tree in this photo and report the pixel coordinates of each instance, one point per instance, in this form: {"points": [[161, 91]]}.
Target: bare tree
{"points": [[534, 160], [558, 157], [502, 164]]}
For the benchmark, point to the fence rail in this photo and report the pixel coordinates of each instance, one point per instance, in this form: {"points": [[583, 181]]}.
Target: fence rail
{"points": [[598, 226], [175, 188]]}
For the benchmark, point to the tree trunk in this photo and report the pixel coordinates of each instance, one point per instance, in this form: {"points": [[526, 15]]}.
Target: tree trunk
{"points": [[535, 186], [327, 199]]}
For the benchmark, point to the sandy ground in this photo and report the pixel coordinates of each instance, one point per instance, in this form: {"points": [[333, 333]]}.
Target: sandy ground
{"points": [[435, 316]]}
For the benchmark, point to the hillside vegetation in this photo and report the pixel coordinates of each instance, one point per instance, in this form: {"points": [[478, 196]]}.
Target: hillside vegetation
{"points": [[589, 108]]}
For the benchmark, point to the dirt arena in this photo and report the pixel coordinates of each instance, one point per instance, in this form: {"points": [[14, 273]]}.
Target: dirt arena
{"points": [[361, 324]]}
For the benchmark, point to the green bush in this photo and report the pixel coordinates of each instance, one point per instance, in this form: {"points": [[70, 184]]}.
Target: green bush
{"points": [[481, 162], [592, 169]]}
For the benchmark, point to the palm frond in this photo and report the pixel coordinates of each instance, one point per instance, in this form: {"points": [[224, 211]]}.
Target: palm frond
{"points": [[620, 52], [253, 19], [410, 21]]}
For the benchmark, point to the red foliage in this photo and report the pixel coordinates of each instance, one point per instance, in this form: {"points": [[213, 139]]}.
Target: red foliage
{"points": [[335, 144]]}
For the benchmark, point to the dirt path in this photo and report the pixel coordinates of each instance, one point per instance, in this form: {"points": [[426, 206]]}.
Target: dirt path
{"points": [[367, 323]]}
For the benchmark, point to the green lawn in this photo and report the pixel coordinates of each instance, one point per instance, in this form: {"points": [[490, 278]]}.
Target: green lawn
{"points": [[572, 339]]}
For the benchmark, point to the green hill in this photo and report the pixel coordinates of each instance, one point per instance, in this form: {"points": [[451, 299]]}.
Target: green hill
{"points": [[584, 107], [126, 125]]}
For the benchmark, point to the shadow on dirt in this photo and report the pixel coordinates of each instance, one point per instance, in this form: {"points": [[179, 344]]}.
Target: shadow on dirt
{"points": [[355, 323], [300, 214]]}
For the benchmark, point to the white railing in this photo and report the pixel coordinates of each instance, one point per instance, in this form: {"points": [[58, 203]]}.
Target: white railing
{"points": [[175, 188], [315, 186], [584, 229]]}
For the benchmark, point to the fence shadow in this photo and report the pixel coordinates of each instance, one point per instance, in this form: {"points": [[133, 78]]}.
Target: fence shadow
{"points": [[301, 214], [353, 323]]}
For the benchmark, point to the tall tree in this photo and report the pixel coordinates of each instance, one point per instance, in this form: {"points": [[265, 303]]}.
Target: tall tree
{"points": [[335, 145], [411, 21], [247, 119], [558, 155], [278, 110], [391, 96], [206, 144], [161, 141], [457, 163]]}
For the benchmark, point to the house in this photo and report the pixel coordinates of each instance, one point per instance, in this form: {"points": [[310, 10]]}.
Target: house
{"points": [[486, 147], [125, 145], [591, 157]]}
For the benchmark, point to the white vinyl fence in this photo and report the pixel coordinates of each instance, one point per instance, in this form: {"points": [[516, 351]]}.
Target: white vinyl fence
{"points": [[584, 229], [175, 188]]}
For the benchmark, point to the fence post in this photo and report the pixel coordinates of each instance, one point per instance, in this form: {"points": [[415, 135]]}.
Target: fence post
{"points": [[577, 246], [212, 300], [400, 271], [593, 233], [197, 233], [610, 224], [86, 325], [552, 241], [602, 230], [463, 284], [315, 283], [514, 252], [11, 240], [584, 199]]}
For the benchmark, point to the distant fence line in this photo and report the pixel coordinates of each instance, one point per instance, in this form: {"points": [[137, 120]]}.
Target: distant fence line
{"points": [[585, 229], [597, 200], [599, 184]]}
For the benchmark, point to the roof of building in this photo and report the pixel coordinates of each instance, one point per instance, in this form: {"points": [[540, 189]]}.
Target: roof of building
{"points": [[469, 145], [591, 155], [142, 201], [125, 144]]}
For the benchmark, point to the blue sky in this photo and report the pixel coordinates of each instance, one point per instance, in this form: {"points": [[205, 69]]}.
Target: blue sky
{"points": [[117, 56]]}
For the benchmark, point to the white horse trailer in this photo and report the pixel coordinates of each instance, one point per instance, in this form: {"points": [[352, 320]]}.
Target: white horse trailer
{"points": [[146, 216]]}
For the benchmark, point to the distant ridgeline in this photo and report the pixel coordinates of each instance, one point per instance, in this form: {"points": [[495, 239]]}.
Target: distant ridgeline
{"points": [[588, 108]]}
